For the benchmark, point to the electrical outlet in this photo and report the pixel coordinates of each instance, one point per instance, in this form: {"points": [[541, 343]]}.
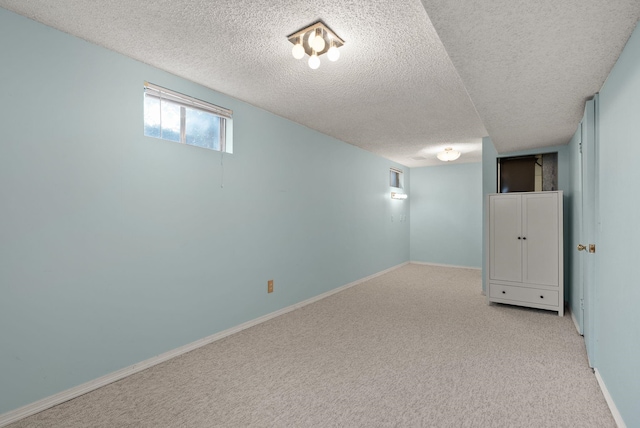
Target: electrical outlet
{"points": [[270, 286]]}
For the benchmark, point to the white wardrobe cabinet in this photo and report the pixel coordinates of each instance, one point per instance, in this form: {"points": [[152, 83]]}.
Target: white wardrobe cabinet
{"points": [[525, 254]]}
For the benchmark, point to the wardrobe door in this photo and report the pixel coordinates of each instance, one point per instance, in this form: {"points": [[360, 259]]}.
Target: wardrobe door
{"points": [[505, 238], [541, 230]]}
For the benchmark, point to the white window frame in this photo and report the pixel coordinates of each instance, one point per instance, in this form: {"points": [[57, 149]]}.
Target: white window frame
{"points": [[399, 175], [226, 125]]}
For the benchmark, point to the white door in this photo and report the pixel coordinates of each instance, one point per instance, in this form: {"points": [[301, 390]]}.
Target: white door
{"points": [[506, 238], [588, 229]]}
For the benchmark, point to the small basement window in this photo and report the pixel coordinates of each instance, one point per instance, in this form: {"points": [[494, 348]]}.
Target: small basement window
{"points": [[177, 117], [395, 178]]}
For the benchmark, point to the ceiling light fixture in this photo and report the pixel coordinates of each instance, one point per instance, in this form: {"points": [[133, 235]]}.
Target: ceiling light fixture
{"points": [[318, 42], [448, 155], [397, 195], [314, 61], [298, 50], [315, 40], [333, 53]]}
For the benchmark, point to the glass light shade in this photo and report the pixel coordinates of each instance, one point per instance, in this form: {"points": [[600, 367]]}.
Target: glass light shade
{"points": [[314, 61], [333, 53], [297, 51], [448, 155], [318, 43], [311, 38]]}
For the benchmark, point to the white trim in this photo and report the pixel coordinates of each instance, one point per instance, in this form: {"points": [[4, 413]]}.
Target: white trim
{"points": [[443, 265], [177, 97], [612, 406], [76, 391]]}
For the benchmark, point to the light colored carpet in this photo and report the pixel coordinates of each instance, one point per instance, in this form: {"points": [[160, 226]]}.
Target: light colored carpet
{"points": [[417, 347]]}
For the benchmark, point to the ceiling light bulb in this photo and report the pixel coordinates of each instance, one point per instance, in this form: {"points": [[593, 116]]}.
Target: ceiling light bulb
{"points": [[318, 42], [333, 53], [311, 37], [314, 61], [298, 50]]}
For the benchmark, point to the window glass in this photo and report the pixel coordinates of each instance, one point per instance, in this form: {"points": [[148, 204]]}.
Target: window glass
{"points": [[395, 178], [170, 121], [152, 117], [202, 129], [176, 117]]}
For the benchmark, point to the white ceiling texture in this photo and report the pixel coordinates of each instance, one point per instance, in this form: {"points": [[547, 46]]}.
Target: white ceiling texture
{"points": [[413, 77]]}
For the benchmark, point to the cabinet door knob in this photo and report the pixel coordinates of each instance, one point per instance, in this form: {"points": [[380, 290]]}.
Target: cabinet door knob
{"points": [[504, 292], [542, 297], [524, 237], [519, 237]]}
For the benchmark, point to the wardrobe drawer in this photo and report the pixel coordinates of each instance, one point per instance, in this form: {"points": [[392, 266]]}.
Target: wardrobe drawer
{"points": [[522, 294]]}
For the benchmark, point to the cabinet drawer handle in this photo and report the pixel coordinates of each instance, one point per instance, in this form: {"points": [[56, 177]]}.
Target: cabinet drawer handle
{"points": [[542, 297], [504, 292]]}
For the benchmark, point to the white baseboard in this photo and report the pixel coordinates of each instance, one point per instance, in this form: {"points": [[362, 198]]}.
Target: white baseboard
{"points": [[612, 406], [575, 320], [76, 391], [443, 265]]}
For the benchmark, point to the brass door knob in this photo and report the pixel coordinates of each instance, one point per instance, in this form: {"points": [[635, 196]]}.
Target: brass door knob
{"points": [[581, 247]]}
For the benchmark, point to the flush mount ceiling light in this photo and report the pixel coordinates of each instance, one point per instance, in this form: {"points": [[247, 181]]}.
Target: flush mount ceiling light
{"points": [[448, 155], [315, 40]]}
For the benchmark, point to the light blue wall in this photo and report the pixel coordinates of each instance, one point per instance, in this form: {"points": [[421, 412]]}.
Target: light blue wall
{"points": [[617, 318], [489, 185], [115, 247], [446, 214]]}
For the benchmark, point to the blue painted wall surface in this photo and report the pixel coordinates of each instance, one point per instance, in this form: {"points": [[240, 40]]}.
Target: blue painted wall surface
{"points": [[446, 214], [115, 247], [489, 185], [617, 318]]}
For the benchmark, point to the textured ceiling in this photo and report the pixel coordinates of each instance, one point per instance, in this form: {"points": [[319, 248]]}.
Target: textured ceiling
{"points": [[528, 66]]}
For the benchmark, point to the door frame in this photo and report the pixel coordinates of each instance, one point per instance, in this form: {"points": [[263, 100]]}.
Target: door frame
{"points": [[588, 229]]}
